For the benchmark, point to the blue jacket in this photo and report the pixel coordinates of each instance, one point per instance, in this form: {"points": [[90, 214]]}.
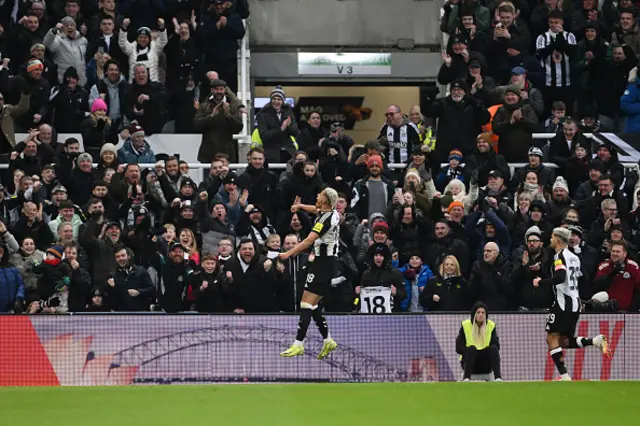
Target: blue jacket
{"points": [[127, 155], [423, 277], [11, 288], [630, 105], [233, 212]]}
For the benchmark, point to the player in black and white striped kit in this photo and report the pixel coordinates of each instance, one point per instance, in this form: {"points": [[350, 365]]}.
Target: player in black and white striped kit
{"points": [[565, 312], [325, 239]]}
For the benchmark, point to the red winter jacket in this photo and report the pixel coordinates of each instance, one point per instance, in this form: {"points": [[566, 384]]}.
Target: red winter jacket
{"points": [[621, 285]]}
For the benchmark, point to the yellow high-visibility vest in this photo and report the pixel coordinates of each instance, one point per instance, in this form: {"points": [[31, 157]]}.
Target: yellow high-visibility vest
{"points": [[256, 139], [428, 138], [467, 326]]}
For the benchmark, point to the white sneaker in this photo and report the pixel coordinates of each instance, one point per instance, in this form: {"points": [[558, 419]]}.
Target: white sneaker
{"points": [[498, 379], [564, 378], [466, 380], [600, 342]]}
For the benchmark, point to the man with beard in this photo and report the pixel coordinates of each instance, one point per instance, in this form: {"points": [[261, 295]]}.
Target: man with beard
{"points": [[259, 181], [529, 262], [559, 202], [27, 32], [99, 240], [588, 260], [173, 274], [461, 119], [619, 276], [490, 279], [218, 120], [130, 289], [484, 159], [515, 123], [253, 283], [443, 244], [373, 193], [255, 225], [31, 83]]}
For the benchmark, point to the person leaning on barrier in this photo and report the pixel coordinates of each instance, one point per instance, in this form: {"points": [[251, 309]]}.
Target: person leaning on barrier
{"points": [[478, 345]]}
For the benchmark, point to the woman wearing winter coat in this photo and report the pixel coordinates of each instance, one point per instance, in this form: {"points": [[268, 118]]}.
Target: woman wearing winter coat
{"points": [[422, 191], [416, 275], [97, 130], [144, 50], [24, 260], [448, 290], [531, 187], [31, 225]]}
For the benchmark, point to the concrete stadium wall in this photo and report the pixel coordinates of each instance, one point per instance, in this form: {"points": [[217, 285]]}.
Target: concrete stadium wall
{"points": [[161, 349], [357, 23]]}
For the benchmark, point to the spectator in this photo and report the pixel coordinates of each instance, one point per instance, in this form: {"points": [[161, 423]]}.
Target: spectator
{"points": [[587, 188], [277, 128], [338, 137], [219, 121], [630, 103], [131, 288], [24, 260], [490, 279], [540, 16], [144, 51], [259, 181], [553, 124], [564, 144], [531, 188], [559, 201], [588, 260], [447, 291], [426, 132], [8, 113], [144, 101], [608, 154], [454, 171], [619, 277], [67, 216], [373, 193], [79, 286], [11, 284], [454, 61], [25, 33], [68, 47], [111, 89], [454, 12], [590, 12], [212, 290], [470, 28], [591, 60], [610, 217], [461, 117], [255, 225], [589, 121], [381, 273], [31, 225], [484, 159], [545, 175], [529, 262], [528, 93], [70, 103], [515, 123], [556, 49], [510, 44], [50, 69], [136, 149], [312, 135], [253, 282], [222, 28], [103, 41], [30, 83], [444, 244], [416, 275], [577, 167], [98, 130]]}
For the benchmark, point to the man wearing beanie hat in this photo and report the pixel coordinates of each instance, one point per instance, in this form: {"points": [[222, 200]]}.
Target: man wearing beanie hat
{"points": [[218, 120], [532, 260], [373, 193], [565, 312], [67, 46], [136, 149], [484, 159], [143, 50], [277, 128], [456, 129], [79, 181], [33, 83], [70, 102], [559, 201], [515, 122]]}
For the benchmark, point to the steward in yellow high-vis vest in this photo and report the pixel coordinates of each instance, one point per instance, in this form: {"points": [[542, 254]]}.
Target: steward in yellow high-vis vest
{"points": [[479, 345]]}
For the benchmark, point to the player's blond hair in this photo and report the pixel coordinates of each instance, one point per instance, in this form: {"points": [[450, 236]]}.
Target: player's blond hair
{"points": [[332, 196]]}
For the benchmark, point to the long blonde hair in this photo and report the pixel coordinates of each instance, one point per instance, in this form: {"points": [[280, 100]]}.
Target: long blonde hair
{"points": [[192, 247], [455, 262]]}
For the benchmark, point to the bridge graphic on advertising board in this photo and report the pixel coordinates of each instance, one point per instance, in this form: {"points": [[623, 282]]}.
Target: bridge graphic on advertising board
{"points": [[353, 365]]}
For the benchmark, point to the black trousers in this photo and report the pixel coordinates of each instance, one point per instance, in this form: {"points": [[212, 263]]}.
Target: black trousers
{"points": [[481, 362]]}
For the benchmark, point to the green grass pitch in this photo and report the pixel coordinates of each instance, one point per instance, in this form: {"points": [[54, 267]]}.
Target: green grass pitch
{"points": [[494, 404]]}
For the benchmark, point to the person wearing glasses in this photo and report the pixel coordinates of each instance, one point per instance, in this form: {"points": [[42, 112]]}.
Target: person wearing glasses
{"points": [[610, 218], [529, 262]]}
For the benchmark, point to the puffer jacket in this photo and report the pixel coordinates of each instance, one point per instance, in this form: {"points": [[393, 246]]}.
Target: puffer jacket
{"points": [[24, 264], [127, 154], [130, 48], [67, 52], [421, 279]]}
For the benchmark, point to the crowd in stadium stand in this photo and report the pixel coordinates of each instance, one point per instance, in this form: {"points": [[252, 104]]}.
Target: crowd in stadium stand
{"points": [[119, 237]]}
